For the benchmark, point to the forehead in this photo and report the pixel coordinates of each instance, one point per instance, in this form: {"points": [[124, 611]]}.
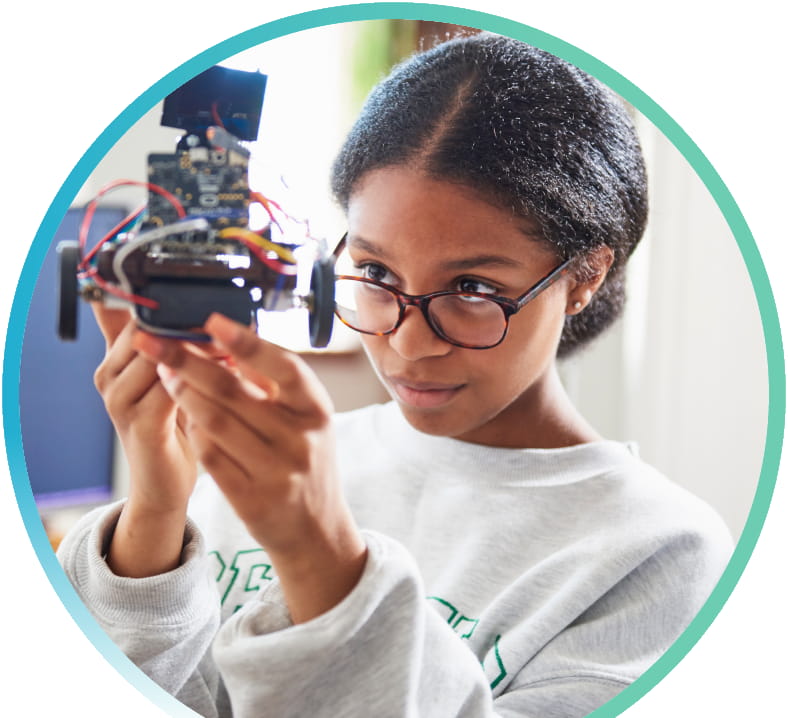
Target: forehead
{"points": [[400, 209]]}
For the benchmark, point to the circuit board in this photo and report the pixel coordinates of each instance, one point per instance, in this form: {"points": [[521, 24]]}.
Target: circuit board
{"points": [[209, 183]]}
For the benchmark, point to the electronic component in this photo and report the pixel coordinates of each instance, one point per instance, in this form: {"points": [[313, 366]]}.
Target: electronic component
{"points": [[189, 251]]}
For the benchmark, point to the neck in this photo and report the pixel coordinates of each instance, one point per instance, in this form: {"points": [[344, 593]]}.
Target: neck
{"points": [[562, 424], [542, 418]]}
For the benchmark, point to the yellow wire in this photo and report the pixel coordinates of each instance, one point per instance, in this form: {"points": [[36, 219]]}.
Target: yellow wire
{"points": [[247, 234]]}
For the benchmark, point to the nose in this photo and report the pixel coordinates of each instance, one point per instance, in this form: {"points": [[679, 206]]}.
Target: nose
{"points": [[414, 338]]}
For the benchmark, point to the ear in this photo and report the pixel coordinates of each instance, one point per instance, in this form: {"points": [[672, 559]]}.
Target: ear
{"points": [[589, 277]]}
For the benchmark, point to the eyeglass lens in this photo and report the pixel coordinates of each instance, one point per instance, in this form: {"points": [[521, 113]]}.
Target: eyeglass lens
{"points": [[467, 320]]}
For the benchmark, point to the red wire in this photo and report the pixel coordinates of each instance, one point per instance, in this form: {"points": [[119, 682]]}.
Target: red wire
{"points": [[91, 208], [110, 235], [274, 203], [265, 202], [215, 112], [278, 267], [260, 198]]}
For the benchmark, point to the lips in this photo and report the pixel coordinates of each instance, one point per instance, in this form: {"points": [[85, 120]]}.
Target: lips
{"points": [[423, 395]]}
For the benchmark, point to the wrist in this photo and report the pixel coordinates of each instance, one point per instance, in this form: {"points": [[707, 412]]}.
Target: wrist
{"points": [[154, 497], [320, 570], [159, 487], [146, 542], [153, 510]]}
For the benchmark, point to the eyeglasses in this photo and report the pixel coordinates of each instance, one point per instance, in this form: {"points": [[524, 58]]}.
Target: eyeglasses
{"points": [[466, 319]]}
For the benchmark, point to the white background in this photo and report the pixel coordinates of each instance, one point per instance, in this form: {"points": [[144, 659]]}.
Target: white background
{"points": [[70, 69]]}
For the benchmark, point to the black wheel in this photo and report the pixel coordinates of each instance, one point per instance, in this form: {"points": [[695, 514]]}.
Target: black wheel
{"points": [[321, 311], [68, 289]]}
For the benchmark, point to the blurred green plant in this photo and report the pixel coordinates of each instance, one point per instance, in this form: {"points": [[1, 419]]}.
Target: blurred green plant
{"points": [[377, 47]]}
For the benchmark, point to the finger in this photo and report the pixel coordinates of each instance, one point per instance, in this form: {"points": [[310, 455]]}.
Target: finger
{"points": [[228, 391], [143, 385], [240, 489], [211, 376], [221, 466], [119, 355], [120, 352], [207, 366], [110, 321], [282, 373], [138, 385], [229, 432], [225, 389]]}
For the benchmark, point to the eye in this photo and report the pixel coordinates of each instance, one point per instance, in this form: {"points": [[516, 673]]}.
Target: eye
{"points": [[378, 272], [475, 286]]}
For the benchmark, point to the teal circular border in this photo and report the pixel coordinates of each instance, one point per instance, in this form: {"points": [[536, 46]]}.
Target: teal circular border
{"points": [[404, 11]]}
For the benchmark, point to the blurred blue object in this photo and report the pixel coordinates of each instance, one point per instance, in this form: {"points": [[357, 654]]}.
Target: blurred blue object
{"points": [[66, 434]]}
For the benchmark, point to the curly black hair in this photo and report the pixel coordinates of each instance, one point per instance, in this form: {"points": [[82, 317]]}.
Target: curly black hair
{"points": [[528, 131]]}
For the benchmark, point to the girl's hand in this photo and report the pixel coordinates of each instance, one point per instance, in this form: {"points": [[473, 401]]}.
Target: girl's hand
{"points": [[263, 431], [149, 536]]}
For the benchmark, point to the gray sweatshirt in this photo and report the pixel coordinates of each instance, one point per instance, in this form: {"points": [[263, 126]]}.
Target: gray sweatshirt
{"points": [[499, 582]]}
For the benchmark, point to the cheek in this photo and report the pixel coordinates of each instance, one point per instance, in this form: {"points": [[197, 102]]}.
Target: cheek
{"points": [[533, 336], [373, 347]]}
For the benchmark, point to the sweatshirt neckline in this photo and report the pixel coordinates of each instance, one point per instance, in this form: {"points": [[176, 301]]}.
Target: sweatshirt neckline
{"points": [[498, 465]]}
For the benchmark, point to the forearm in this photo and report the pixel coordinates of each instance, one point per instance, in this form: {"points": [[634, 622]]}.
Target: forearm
{"points": [[324, 568], [146, 542], [148, 538]]}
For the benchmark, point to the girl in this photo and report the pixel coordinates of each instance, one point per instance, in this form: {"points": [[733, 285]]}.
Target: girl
{"points": [[474, 547]]}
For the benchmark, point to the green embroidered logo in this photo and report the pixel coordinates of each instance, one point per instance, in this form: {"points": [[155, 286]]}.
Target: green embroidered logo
{"points": [[501, 670], [249, 565], [461, 624], [465, 627]]}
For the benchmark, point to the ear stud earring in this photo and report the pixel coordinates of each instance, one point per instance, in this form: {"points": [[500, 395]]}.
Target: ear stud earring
{"points": [[577, 305]]}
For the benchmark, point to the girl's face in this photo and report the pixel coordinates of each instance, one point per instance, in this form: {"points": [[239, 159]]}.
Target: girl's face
{"points": [[424, 235]]}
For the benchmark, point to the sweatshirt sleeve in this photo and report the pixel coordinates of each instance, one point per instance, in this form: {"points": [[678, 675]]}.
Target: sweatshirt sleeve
{"points": [[382, 651], [165, 624], [606, 646]]}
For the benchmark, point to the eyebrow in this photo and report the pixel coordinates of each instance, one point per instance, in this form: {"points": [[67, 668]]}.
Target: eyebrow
{"points": [[460, 264], [481, 260]]}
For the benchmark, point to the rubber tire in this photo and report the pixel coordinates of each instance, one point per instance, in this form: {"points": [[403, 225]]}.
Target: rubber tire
{"points": [[68, 289], [321, 313]]}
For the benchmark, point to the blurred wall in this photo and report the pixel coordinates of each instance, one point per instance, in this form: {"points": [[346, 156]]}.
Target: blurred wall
{"points": [[684, 372]]}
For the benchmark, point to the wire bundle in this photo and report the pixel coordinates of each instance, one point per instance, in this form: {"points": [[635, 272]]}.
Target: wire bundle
{"points": [[275, 256]]}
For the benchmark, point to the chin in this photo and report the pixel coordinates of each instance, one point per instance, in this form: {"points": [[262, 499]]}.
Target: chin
{"points": [[435, 423]]}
